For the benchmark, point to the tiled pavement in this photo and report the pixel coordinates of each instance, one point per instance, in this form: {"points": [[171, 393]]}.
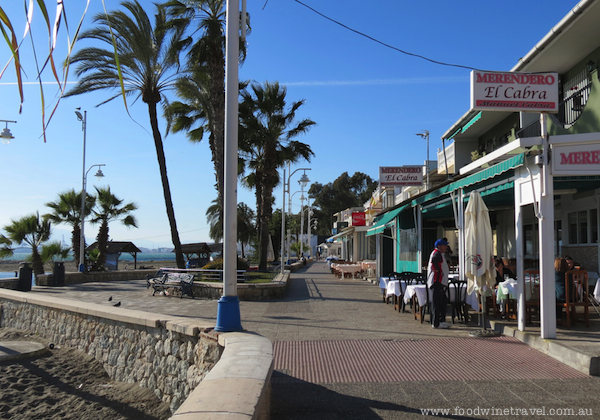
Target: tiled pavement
{"points": [[343, 354]]}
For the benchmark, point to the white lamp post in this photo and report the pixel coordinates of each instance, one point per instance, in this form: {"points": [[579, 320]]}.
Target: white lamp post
{"points": [[302, 198], [6, 135], [286, 188], [99, 175], [425, 135]]}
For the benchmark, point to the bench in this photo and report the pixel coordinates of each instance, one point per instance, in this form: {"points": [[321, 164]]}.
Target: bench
{"points": [[166, 280]]}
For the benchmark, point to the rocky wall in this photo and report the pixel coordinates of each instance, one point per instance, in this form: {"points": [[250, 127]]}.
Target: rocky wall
{"points": [[164, 358]]}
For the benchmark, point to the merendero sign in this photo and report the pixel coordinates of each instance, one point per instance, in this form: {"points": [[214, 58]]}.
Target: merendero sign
{"points": [[507, 91]]}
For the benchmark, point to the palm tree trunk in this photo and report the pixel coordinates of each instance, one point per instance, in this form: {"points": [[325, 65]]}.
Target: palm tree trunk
{"points": [[36, 259], [160, 154], [75, 241]]}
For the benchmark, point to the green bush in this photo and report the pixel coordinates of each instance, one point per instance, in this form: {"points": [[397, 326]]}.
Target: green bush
{"points": [[218, 264]]}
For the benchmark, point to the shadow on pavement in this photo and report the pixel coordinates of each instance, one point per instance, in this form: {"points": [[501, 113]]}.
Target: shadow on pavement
{"points": [[290, 397]]}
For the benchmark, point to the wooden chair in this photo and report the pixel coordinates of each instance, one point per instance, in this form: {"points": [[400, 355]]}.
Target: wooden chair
{"points": [[532, 286], [576, 295]]}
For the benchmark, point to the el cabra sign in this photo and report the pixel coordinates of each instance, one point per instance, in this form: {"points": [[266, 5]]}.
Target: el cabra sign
{"points": [[502, 91], [400, 176]]}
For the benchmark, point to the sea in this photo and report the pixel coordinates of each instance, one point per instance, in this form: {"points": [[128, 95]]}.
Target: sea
{"points": [[141, 257]]}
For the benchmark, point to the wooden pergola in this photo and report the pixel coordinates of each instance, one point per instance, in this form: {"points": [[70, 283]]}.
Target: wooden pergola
{"points": [[115, 249]]}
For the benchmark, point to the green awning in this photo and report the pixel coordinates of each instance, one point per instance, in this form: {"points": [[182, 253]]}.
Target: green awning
{"points": [[480, 176], [471, 122], [385, 219]]}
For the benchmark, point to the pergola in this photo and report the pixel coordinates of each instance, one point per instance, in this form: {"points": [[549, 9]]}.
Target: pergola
{"points": [[114, 251]]}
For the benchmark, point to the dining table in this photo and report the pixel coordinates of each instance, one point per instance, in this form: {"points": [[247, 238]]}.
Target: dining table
{"points": [[345, 269]]}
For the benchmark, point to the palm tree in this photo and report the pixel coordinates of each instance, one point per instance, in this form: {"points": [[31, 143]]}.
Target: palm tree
{"points": [[33, 231], [148, 64], [214, 217], [267, 129], [245, 223], [109, 208], [67, 209], [202, 90]]}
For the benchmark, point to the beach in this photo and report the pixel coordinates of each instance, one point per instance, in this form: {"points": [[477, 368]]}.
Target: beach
{"points": [[68, 384]]}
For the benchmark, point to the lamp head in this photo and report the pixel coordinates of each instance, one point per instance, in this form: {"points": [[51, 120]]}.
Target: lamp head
{"points": [[99, 175], [79, 116], [6, 135], [304, 180]]}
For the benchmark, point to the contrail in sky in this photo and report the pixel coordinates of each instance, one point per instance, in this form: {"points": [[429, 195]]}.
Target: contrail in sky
{"points": [[419, 80]]}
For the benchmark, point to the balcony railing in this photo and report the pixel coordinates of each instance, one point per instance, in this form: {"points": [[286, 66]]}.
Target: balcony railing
{"points": [[532, 130]]}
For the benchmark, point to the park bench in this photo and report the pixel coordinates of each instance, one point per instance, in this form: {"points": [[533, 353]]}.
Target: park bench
{"points": [[163, 281]]}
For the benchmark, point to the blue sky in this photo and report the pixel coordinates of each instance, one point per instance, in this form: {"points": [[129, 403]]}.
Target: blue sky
{"points": [[368, 101]]}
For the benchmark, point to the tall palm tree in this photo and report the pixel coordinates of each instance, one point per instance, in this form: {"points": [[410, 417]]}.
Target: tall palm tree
{"points": [[33, 231], [245, 223], [214, 217], [67, 209], [109, 208], [267, 130], [149, 65], [202, 89]]}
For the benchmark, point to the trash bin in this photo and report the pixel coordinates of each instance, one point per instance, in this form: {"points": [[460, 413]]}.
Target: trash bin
{"points": [[25, 275], [58, 274]]}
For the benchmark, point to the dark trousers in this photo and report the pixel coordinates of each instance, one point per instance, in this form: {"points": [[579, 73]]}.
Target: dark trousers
{"points": [[438, 304]]}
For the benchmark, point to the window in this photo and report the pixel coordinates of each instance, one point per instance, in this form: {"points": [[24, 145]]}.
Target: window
{"points": [[531, 240], [583, 227]]}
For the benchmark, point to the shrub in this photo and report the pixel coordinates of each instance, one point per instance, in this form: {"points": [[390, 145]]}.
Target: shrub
{"points": [[218, 264]]}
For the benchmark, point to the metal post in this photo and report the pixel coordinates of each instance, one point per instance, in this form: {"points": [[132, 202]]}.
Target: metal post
{"points": [[301, 250], [82, 266], [228, 311], [546, 241], [283, 225]]}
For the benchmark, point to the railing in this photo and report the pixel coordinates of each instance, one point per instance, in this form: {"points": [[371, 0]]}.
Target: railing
{"points": [[570, 109], [534, 129]]}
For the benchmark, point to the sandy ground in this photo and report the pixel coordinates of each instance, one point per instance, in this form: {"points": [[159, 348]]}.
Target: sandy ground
{"points": [[68, 384]]}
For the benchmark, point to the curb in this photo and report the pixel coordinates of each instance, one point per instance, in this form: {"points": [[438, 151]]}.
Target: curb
{"points": [[577, 359]]}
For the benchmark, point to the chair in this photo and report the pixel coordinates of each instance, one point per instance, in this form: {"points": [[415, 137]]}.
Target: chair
{"points": [[398, 300], [391, 276], [532, 294], [576, 295], [458, 290]]}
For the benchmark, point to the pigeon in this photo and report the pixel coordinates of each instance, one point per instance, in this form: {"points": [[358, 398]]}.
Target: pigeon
{"points": [[110, 298], [117, 304]]}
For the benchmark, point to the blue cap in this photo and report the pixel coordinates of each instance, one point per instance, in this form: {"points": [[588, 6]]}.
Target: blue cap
{"points": [[440, 242]]}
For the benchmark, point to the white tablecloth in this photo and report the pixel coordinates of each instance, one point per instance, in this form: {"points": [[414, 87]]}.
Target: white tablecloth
{"points": [[393, 287], [419, 290]]}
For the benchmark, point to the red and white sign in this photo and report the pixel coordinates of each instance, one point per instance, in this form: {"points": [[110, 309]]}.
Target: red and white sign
{"points": [[581, 159], [508, 91], [358, 218], [400, 176]]}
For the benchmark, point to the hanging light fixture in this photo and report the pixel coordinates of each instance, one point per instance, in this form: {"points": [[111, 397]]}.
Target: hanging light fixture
{"points": [[6, 135]]}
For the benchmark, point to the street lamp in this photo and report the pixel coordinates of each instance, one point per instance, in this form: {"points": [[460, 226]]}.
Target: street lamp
{"points": [[425, 135], [99, 175], [6, 135], [286, 188]]}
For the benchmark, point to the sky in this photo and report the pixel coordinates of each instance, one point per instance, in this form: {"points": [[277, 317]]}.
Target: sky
{"points": [[368, 101]]}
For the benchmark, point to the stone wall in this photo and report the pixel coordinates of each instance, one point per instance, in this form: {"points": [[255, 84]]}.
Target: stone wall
{"points": [[169, 355]]}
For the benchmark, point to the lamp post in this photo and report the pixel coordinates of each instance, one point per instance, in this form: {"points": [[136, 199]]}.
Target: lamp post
{"points": [[99, 175], [6, 135], [302, 198], [286, 188], [289, 234], [425, 135]]}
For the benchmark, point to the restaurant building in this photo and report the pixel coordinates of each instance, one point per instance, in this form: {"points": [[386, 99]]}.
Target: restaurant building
{"points": [[542, 191]]}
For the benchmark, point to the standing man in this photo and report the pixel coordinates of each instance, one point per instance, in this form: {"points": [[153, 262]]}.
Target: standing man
{"points": [[437, 281]]}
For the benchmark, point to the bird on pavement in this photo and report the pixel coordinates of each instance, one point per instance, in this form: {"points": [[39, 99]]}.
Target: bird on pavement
{"points": [[110, 298], [117, 304]]}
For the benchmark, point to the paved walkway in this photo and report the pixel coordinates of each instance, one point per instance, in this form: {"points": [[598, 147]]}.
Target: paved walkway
{"points": [[341, 353]]}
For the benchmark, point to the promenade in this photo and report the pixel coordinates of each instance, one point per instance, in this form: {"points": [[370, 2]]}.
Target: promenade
{"points": [[340, 353]]}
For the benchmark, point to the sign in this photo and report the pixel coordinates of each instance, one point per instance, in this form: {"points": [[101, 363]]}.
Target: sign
{"points": [[358, 218], [582, 159], [400, 176], [508, 91]]}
